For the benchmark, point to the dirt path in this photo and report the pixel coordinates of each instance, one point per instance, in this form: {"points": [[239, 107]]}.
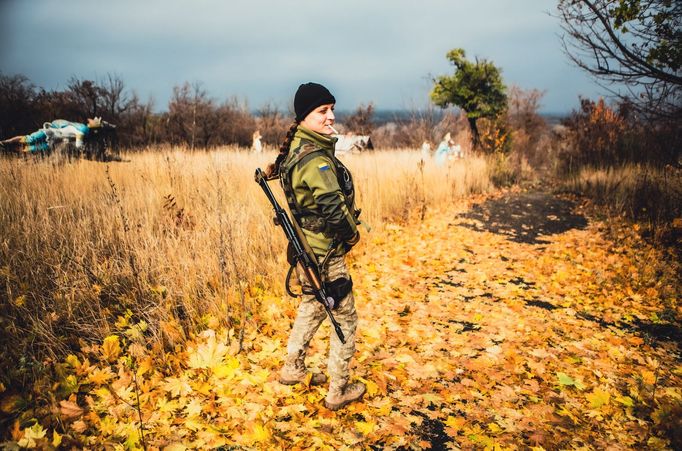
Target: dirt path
{"points": [[519, 323]]}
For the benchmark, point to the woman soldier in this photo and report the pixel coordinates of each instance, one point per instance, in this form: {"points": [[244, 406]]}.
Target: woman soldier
{"points": [[320, 194]]}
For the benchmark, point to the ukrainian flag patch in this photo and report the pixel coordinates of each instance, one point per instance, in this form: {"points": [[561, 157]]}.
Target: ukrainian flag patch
{"points": [[323, 167]]}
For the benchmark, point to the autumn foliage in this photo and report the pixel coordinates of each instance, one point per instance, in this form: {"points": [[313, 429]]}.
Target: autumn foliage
{"points": [[597, 134], [467, 339]]}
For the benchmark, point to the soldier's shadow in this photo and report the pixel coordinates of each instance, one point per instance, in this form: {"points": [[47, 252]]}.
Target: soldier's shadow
{"points": [[524, 218]]}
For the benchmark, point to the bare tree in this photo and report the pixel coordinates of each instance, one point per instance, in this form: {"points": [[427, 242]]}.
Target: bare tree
{"points": [[360, 121], [234, 123], [114, 98], [190, 112], [137, 124], [86, 97], [18, 112], [632, 47], [272, 124], [522, 109]]}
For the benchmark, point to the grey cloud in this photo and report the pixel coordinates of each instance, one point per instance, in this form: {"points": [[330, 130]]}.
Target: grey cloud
{"points": [[378, 51]]}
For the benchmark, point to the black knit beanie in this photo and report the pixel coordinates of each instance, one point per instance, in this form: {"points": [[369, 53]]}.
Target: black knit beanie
{"points": [[308, 97]]}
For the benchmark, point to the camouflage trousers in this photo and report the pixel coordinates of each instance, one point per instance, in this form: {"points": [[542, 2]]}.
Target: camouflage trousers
{"points": [[309, 318]]}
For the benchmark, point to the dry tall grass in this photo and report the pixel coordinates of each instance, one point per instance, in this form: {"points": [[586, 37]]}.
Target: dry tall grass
{"points": [[168, 236], [642, 193]]}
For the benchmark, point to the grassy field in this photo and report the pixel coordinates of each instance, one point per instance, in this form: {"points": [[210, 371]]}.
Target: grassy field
{"points": [[142, 300], [170, 237]]}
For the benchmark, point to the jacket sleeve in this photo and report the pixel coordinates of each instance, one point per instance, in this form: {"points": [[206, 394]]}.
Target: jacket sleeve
{"points": [[318, 175]]}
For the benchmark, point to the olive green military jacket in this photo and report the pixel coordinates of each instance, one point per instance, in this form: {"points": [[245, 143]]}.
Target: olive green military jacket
{"points": [[316, 188]]}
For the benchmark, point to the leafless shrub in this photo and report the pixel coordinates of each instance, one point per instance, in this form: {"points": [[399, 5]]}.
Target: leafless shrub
{"points": [[272, 124], [360, 122], [426, 125], [531, 144]]}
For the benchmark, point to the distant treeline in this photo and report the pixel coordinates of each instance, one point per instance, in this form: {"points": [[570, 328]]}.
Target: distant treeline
{"points": [[194, 119], [192, 116], [595, 134]]}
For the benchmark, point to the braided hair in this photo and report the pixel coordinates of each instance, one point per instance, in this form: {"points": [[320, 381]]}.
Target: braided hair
{"points": [[272, 171]]}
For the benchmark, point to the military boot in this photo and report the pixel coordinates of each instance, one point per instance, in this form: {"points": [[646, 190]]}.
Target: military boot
{"points": [[337, 399], [294, 371]]}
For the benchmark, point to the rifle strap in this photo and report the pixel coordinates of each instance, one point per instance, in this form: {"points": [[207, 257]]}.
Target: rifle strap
{"points": [[325, 260], [287, 284], [287, 281]]}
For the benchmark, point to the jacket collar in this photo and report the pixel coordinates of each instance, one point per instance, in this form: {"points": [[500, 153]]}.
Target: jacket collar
{"points": [[326, 142]]}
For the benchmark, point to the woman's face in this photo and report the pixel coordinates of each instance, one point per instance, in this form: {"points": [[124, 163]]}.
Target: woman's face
{"points": [[320, 119]]}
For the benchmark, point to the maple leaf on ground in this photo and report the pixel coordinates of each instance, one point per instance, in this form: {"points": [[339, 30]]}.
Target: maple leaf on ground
{"points": [[193, 408], [209, 354], [133, 437], [69, 384], [649, 377], [177, 386], [56, 439], [454, 425], [101, 376], [107, 426], [73, 361], [255, 377], [598, 398], [69, 409], [228, 369], [30, 435], [565, 379], [365, 427], [145, 365], [371, 386], [257, 433], [626, 401], [111, 348], [212, 439], [568, 414], [79, 426]]}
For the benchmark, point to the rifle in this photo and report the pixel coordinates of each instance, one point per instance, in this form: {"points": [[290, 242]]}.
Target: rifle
{"points": [[298, 244]]}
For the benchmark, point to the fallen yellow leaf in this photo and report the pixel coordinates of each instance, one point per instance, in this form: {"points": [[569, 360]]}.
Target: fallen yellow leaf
{"points": [[209, 354], [598, 398], [365, 427], [259, 433], [35, 432], [56, 439], [111, 348], [100, 376]]}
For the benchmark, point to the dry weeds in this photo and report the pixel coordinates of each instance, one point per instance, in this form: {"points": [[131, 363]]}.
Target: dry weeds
{"points": [[169, 236]]}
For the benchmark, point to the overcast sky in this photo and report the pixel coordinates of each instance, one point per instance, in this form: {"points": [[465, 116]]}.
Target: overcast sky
{"points": [[381, 51]]}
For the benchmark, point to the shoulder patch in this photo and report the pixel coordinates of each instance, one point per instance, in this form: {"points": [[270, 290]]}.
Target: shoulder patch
{"points": [[323, 166]]}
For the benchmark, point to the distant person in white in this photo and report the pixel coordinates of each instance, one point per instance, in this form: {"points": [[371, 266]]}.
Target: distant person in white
{"points": [[256, 145], [426, 149]]}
